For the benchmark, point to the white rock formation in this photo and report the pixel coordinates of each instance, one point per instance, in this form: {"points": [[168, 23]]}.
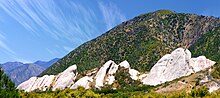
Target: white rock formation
{"points": [[133, 74], [37, 84], [213, 86], [27, 85], [201, 63], [171, 66], [175, 65], [47, 82], [125, 64], [66, 78], [108, 69], [60, 81], [84, 82]]}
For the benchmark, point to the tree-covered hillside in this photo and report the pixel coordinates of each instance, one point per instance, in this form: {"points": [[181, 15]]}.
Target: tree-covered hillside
{"points": [[142, 41], [209, 45]]}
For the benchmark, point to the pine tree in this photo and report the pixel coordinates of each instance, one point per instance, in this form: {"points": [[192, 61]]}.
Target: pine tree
{"points": [[7, 87]]}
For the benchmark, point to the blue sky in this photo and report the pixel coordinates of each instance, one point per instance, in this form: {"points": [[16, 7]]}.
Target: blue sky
{"points": [[34, 30]]}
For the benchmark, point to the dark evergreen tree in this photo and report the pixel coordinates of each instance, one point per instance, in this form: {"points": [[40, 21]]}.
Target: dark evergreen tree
{"points": [[7, 87]]}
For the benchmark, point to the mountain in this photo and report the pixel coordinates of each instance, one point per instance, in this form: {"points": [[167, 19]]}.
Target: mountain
{"points": [[9, 66], [143, 40], [19, 72], [162, 53], [24, 72], [46, 64]]}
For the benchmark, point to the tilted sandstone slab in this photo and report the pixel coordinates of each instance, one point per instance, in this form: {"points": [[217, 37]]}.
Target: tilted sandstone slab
{"points": [[60, 81], [134, 74], [47, 82], [201, 63], [125, 64], [37, 83], [84, 82], [175, 65], [171, 66], [27, 85], [108, 69], [66, 78], [213, 86]]}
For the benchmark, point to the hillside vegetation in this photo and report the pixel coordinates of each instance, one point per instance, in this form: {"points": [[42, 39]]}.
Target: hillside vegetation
{"points": [[141, 41], [82, 93], [209, 45]]}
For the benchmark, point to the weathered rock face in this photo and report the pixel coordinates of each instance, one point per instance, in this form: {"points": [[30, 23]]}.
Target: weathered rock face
{"points": [[108, 68], [84, 82], [124, 64], [175, 65], [134, 74], [27, 85], [213, 86], [96, 78], [171, 66], [201, 63], [60, 81], [66, 78]]}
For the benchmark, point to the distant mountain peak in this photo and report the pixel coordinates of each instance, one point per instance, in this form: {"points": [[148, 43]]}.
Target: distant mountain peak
{"points": [[46, 64], [15, 62], [19, 72]]}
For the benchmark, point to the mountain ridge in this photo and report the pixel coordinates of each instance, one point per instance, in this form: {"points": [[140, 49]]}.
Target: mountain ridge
{"points": [[19, 72], [147, 37], [46, 64]]}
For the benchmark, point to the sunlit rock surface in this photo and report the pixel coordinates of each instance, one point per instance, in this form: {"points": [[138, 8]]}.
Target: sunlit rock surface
{"points": [[66, 78], [133, 74], [175, 65], [60, 81], [124, 64], [84, 82], [213, 86], [171, 66], [109, 68], [201, 63], [27, 85]]}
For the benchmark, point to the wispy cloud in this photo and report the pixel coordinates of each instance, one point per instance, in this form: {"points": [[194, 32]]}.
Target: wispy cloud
{"points": [[111, 13], [51, 51], [4, 46], [61, 19], [69, 22], [64, 19], [68, 49]]}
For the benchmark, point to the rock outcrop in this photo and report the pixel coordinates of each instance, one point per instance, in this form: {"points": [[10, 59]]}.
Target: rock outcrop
{"points": [[175, 65], [97, 78], [60, 81], [213, 86], [107, 70], [84, 82], [66, 78], [27, 85], [171, 66]]}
